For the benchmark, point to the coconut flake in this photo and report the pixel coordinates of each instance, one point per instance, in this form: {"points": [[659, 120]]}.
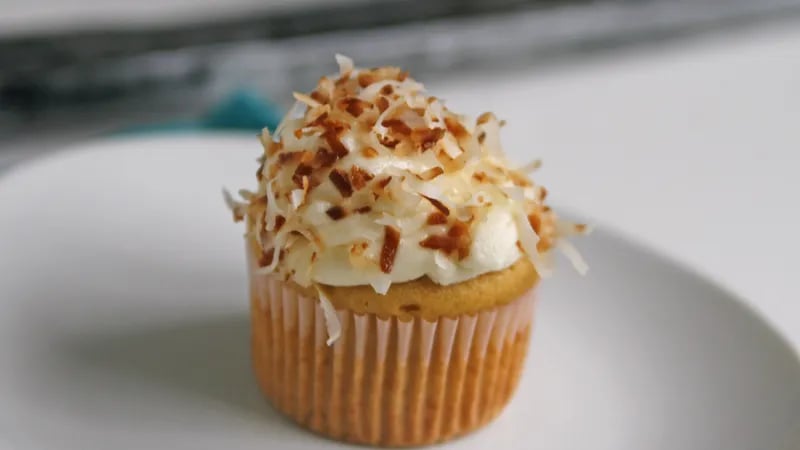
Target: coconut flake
{"points": [[295, 111], [531, 166], [515, 193], [332, 323], [298, 196], [450, 146], [232, 204], [479, 198], [381, 283], [491, 141], [345, 64], [273, 210], [265, 137], [306, 99], [246, 194], [529, 239], [278, 244], [443, 262]]}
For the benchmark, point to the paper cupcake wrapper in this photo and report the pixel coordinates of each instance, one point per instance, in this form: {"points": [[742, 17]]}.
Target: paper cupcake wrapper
{"points": [[385, 381]]}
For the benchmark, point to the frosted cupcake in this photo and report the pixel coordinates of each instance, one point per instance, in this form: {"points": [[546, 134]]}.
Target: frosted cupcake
{"points": [[393, 255]]}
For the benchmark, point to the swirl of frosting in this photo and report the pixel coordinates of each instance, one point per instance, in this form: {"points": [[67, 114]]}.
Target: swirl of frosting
{"points": [[368, 181]]}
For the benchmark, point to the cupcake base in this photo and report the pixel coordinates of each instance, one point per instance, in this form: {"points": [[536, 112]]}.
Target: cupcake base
{"points": [[386, 381]]}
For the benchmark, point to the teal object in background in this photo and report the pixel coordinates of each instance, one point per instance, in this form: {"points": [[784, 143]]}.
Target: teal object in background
{"points": [[244, 110]]}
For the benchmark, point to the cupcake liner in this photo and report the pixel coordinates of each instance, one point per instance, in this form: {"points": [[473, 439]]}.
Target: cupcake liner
{"points": [[385, 381]]}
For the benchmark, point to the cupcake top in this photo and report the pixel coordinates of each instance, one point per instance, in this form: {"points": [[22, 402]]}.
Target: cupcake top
{"points": [[369, 181]]}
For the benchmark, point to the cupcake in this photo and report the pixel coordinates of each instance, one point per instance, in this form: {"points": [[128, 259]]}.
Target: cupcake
{"points": [[393, 256]]}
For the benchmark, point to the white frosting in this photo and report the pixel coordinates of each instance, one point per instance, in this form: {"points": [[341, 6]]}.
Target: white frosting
{"points": [[338, 237]]}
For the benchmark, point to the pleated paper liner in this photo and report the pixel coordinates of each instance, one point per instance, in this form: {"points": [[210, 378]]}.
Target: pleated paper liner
{"points": [[385, 381]]}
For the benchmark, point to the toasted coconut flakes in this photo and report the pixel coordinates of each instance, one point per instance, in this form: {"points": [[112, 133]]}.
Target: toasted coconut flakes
{"points": [[381, 283], [451, 147], [359, 177], [336, 145], [515, 193], [266, 257], [542, 193], [305, 99], [319, 96], [345, 64], [455, 127], [272, 211], [384, 182], [259, 231], [381, 113], [354, 106], [444, 243], [531, 166], [302, 171], [529, 240], [265, 138], [397, 126], [382, 103], [260, 171], [319, 120], [566, 229], [290, 157], [357, 257], [491, 139], [278, 242], [443, 262], [237, 208], [430, 173], [294, 112], [336, 212], [427, 138], [369, 152], [485, 118], [391, 240], [340, 179], [324, 158], [479, 198], [436, 218], [536, 223], [438, 205], [279, 221], [365, 79], [332, 323], [298, 196], [245, 194], [519, 179]]}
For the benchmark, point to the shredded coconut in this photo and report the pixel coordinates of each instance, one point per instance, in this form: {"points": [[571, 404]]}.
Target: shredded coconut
{"points": [[332, 322], [368, 149]]}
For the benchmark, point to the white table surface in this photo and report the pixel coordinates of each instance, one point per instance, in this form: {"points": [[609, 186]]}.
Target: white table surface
{"points": [[693, 150]]}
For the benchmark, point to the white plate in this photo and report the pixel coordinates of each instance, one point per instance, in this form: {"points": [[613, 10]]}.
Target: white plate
{"points": [[124, 325]]}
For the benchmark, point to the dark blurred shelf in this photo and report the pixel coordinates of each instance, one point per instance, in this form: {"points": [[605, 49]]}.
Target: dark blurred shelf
{"points": [[183, 68]]}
